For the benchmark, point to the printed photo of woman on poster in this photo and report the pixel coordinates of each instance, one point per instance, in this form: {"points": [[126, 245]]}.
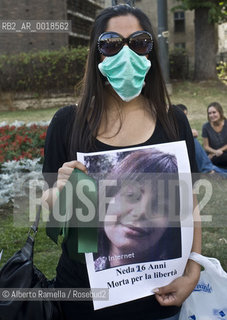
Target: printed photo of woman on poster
{"points": [[141, 223]]}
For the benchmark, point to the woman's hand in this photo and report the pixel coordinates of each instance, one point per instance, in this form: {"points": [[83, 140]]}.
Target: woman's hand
{"points": [[50, 195], [218, 152], [179, 289], [176, 292], [195, 133], [66, 170]]}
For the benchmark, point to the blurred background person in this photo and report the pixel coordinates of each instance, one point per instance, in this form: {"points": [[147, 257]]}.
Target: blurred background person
{"points": [[214, 135], [203, 161]]}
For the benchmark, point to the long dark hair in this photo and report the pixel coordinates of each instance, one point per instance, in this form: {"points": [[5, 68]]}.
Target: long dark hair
{"points": [[91, 105]]}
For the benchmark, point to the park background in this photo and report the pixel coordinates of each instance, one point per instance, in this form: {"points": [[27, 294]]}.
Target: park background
{"points": [[41, 73]]}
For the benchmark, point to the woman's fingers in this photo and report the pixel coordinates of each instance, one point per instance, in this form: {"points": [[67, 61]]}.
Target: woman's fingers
{"points": [[166, 295], [167, 299], [219, 153], [176, 292], [66, 170], [75, 164]]}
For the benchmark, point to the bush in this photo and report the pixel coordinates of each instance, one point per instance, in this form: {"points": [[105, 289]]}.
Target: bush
{"points": [[17, 143], [222, 70], [179, 66], [43, 71]]}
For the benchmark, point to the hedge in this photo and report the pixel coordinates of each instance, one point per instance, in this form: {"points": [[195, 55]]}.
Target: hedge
{"points": [[43, 71]]}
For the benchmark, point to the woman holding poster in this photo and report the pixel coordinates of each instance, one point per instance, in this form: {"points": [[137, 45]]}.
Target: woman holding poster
{"points": [[124, 103]]}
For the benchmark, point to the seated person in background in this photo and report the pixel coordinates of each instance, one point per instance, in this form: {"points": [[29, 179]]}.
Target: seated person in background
{"points": [[204, 164], [214, 135]]}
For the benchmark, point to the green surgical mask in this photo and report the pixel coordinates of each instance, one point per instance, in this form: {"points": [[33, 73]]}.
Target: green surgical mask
{"points": [[126, 72]]}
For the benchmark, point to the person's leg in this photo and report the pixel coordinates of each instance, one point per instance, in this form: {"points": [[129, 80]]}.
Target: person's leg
{"points": [[220, 161], [222, 171], [203, 162]]}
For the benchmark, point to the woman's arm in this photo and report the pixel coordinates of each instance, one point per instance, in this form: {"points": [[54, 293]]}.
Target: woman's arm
{"points": [[214, 152], [224, 148], [178, 290], [207, 147]]}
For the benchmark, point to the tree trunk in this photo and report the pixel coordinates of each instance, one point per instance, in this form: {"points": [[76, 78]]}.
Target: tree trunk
{"points": [[205, 46]]}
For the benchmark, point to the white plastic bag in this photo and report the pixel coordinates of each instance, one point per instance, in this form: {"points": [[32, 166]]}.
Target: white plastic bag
{"points": [[208, 301]]}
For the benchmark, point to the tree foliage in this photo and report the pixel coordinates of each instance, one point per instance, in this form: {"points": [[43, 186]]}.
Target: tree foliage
{"points": [[217, 8]]}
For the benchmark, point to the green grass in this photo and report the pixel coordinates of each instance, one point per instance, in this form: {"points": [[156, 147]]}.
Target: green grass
{"points": [[214, 233], [196, 96], [27, 115], [46, 252]]}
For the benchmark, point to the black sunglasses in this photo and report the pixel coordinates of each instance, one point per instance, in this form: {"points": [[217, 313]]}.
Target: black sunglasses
{"points": [[110, 43]]}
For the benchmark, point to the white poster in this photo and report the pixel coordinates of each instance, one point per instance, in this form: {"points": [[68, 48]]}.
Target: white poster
{"points": [[145, 219]]}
